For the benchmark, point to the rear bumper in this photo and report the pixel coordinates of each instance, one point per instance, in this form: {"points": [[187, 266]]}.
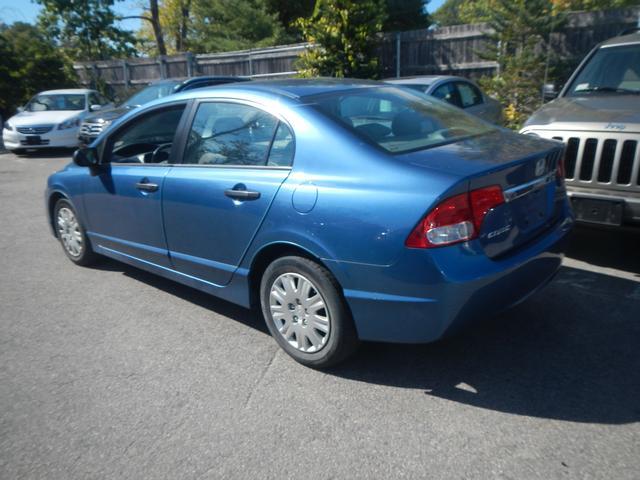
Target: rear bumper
{"points": [[430, 294]]}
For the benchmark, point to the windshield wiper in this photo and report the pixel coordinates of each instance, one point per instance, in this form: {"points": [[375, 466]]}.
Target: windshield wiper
{"points": [[625, 91]]}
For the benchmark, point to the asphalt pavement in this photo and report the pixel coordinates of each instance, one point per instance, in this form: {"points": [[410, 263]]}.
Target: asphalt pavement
{"points": [[111, 372]]}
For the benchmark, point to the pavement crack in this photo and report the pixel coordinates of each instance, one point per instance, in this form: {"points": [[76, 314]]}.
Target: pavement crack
{"points": [[257, 383]]}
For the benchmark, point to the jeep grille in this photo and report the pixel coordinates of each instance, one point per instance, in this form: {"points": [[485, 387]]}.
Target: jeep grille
{"points": [[601, 161]]}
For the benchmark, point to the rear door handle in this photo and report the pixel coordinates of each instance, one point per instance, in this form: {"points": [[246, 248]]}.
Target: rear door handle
{"points": [[147, 187], [242, 194]]}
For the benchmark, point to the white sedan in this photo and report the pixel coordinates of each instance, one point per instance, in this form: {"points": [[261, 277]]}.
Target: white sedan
{"points": [[51, 119]]}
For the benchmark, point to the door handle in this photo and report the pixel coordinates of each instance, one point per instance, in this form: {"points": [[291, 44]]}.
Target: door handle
{"points": [[147, 187], [242, 194]]}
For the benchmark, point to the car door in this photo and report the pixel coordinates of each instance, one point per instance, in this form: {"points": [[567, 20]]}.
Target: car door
{"points": [[236, 156], [123, 201]]}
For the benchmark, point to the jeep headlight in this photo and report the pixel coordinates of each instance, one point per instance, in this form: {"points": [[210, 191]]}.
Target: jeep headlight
{"points": [[74, 122], [7, 126]]}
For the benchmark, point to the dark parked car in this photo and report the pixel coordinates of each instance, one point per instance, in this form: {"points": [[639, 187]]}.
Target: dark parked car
{"points": [[348, 210], [597, 116], [94, 125]]}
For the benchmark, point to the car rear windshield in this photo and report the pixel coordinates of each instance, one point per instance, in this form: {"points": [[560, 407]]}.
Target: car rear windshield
{"points": [[399, 120], [611, 70], [51, 102], [150, 93]]}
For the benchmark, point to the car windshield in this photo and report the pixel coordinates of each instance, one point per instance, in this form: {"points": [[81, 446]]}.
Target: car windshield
{"points": [[50, 102], [420, 87], [398, 119], [152, 92], [611, 71]]}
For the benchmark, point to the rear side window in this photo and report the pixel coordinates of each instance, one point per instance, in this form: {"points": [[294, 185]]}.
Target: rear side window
{"points": [[469, 94], [236, 134], [282, 149]]}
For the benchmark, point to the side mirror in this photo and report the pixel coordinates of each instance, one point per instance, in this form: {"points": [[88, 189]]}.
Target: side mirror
{"points": [[549, 92], [86, 157], [19, 109], [94, 108]]}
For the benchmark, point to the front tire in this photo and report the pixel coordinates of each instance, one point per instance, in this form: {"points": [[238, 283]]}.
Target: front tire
{"points": [[306, 313], [72, 235]]}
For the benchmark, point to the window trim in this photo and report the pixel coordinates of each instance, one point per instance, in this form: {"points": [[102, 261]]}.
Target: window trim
{"points": [[107, 145], [189, 118]]}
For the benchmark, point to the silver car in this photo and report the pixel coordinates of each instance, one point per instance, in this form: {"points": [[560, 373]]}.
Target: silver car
{"points": [[458, 91], [597, 116]]}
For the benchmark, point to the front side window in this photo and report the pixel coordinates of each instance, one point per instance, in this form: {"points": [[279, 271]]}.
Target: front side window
{"points": [[147, 139], [610, 71], [448, 93], [56, 102], [403, 121], [232, 134], [94, 99], [470, 96]]}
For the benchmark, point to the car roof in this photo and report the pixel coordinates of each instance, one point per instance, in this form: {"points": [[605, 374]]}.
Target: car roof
{"points": [[295, 88], [67, 91], [201, 78], [632, 37], [424, 79]]}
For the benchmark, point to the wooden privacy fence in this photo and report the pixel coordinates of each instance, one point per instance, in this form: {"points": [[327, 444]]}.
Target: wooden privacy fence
{"points": [[455, 50]]}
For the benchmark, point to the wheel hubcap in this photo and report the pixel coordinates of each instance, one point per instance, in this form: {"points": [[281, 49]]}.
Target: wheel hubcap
{"points": [[69, 232], [299, 312]]}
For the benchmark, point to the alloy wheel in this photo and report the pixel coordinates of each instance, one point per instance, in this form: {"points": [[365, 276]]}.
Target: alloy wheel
{"points": [[299, 312], [69, 232]]}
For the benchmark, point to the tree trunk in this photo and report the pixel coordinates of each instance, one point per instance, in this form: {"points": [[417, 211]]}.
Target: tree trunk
{"points": [[181, 39], [157, 29]]}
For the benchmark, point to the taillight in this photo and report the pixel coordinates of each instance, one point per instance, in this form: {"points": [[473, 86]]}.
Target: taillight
{"points": [[560, 169], [456, 219]]}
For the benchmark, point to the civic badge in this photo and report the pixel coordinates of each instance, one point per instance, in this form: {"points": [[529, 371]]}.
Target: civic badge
{"points": [[540, 164]]}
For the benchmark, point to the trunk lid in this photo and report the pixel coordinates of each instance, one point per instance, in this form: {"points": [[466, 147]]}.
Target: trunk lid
{"points": [[524, 167]]}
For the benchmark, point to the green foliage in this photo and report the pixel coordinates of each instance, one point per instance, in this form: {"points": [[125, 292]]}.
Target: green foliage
{"points": [[457, 12], [406, 15], [288, 12], [345, 31], [29, 63], [85, 29], [224, 25], [522, 29]]}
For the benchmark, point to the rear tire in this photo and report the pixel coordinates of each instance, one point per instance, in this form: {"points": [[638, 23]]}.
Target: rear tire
{"points": [[72, 235], [306, 313]]}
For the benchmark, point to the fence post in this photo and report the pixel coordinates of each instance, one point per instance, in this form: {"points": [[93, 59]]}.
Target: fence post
{"points": [[250, 64], [398, 48], [163, 66], [125, 73], [189, 60], [94, 75]]}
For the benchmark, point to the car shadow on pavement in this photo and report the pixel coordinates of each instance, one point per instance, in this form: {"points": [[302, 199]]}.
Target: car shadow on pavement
{"points": [[202, 299], [571, 352], [613, 248], [48, 153], [568, 353]]}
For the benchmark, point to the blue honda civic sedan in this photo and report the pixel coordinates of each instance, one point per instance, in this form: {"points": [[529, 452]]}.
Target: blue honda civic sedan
{"points": [[346, 210]]}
